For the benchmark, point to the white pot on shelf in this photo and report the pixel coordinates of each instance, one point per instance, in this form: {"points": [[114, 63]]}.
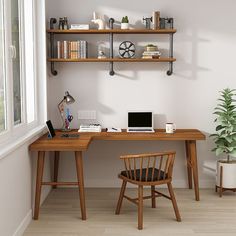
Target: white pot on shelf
{"points": [[124, 25], [228, 174]]}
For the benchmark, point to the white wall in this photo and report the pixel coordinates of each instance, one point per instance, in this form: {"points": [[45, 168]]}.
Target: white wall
{"points": [[204, 47], [17, 181]]}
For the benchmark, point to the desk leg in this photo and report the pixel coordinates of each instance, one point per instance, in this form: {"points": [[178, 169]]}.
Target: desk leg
{"points": [[80, 177], [39, 179], [189, 167], [56, 167], [193, 155]]}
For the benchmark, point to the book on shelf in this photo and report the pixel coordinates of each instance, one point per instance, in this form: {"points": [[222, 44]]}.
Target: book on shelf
{"points": [[90, 128], [151, 55], [79, 27], [72, 49]]}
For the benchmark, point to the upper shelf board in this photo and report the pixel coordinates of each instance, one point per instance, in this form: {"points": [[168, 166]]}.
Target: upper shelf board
{"points": [[115, 31]]}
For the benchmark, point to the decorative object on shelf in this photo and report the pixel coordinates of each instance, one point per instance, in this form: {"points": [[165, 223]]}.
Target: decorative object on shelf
{"points": [[66, 117], [127, 49], [225, 140], [99, 21], [151, 48], [66, 25], [101, 50], [166, 23], [148, 22], [151, 52], [156, 20], [125, 22], [63, 23]]}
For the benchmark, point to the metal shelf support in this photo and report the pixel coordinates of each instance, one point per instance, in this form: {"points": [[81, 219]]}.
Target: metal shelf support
{"points": [[52, 22], [171, 43], [111, 22]]}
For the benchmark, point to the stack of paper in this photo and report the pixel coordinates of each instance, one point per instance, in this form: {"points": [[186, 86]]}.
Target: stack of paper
{"points": [[90, 128]]}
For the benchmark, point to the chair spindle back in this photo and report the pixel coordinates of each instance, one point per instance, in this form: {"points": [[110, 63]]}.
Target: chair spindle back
{"points": [[143, 167]]}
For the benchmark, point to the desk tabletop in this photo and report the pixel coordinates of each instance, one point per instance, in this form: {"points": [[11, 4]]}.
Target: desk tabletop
{"points": [[59, 143], [160, 134]]}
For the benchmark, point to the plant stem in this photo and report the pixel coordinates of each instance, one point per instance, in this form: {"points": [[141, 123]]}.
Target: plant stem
{"points": [[228, 159]]}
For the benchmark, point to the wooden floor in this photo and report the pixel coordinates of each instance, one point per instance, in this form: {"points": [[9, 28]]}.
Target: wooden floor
{"points": [[60, 215]]}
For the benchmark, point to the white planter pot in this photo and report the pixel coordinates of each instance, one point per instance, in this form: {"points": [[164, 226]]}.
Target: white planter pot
{"points": [[124, 25], [228, 175]]}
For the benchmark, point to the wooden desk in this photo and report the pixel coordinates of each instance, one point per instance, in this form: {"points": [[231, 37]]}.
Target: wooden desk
{"points": [[57, 144]]}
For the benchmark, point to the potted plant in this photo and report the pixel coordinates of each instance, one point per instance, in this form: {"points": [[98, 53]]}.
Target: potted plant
{"points": [[125, 22], [225, 139]]}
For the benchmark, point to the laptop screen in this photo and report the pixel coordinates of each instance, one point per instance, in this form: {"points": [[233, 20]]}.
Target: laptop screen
{"points": [[139, 119]]}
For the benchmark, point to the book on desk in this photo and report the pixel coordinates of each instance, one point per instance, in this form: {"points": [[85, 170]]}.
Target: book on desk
{"points": [[90, 128]]}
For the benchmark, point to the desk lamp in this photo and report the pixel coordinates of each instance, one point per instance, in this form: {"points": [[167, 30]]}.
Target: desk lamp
{"points": [[66, 118]]}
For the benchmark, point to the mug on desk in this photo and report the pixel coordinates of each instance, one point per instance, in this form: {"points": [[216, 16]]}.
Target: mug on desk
{"points": [[170, 128]]}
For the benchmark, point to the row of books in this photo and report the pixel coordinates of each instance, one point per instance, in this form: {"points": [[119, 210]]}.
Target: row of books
{"points": [[72, 49]]}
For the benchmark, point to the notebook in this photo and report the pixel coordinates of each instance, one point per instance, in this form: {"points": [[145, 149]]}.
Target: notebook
{"points": [[140, 121]]}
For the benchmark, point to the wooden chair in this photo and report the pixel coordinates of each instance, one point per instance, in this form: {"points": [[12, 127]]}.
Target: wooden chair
{"points": [[148, 170]]}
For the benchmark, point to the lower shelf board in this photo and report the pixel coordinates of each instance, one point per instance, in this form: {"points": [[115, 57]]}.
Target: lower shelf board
{"points": [[163, 59]]}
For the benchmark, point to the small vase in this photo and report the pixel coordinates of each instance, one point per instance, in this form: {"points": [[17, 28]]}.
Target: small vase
{"points": [[124, 25]]}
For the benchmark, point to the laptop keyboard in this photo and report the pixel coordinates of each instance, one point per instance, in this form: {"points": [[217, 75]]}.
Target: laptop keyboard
{"points": [[143, 130]]}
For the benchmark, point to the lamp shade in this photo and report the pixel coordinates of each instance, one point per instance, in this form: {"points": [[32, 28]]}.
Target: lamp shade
{"points": [[68, 98]]}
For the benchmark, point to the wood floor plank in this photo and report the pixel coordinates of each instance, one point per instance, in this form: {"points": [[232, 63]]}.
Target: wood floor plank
{"points": [[60, 215]]}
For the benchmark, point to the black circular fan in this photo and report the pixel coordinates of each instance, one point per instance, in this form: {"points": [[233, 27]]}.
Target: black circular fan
{"points": [[127, 49]]}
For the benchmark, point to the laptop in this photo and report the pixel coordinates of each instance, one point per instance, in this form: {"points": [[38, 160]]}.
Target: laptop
{"points": [[140, 121]]}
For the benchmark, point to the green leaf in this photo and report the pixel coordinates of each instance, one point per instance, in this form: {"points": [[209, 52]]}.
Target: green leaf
{"points": [[219, 127], [213, 135]]}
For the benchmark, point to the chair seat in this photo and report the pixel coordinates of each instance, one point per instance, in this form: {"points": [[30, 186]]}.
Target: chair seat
{"points": [[156, 175]]}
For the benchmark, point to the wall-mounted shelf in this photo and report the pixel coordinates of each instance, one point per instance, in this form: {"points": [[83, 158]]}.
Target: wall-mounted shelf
{"points": [[114, 31], [164, 59], [111, 32]]}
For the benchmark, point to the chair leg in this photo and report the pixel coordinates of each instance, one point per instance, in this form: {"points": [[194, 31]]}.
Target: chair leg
{"points": [[122, 192], [153, 196], [174, 203], [140, 207]]}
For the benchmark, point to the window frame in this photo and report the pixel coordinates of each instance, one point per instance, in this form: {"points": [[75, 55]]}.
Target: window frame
{"points": [[4, 66], [15, 132]]}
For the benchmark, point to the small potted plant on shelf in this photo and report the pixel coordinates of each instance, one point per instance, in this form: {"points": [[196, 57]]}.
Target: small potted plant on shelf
{"points": [[225, 140], [125, 22]]}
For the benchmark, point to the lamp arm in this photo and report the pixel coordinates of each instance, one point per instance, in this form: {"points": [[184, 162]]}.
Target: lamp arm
{"points": [[61, 111]]}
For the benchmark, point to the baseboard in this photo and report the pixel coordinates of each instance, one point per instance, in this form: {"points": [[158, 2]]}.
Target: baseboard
{"points": [[24, 224]]}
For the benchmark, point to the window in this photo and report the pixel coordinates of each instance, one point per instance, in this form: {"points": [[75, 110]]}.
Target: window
{"points": [[17, 68]]}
